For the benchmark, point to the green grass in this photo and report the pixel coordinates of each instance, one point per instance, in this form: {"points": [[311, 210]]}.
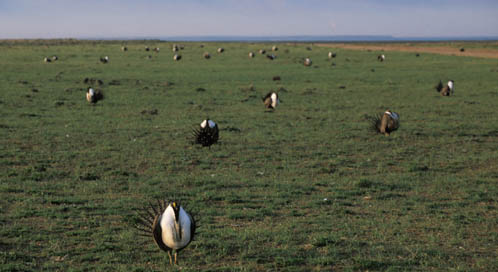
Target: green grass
{"points": [[307, 187]]}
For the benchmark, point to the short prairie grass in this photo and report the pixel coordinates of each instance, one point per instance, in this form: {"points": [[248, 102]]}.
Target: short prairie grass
{"points": [[305, 187]]}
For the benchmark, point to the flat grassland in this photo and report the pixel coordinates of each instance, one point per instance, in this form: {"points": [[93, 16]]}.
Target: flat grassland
{"points": [[306, 187]]}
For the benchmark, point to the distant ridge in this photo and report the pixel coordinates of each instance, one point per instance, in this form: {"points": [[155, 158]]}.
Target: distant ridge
{"points": [[299, 38], [312, 38]]}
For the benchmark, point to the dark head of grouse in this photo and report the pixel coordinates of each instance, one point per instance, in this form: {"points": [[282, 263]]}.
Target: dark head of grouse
{"points": [[385, 123], [207, 134], [171, 227]]}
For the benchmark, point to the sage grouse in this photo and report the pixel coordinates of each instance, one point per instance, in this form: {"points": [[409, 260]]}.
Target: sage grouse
{"points": [[385, 123], [446, 90], [170, 225], [271, 100], [93, 96], [207, 134]]}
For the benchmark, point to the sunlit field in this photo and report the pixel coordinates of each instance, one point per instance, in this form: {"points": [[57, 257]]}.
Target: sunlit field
{"points": [[306, 187]]}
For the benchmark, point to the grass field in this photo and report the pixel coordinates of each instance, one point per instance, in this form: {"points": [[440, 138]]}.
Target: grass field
{"points": [[304, 188]]}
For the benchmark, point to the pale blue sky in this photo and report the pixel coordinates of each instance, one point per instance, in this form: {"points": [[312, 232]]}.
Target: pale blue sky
{"points": [[162, 18]]}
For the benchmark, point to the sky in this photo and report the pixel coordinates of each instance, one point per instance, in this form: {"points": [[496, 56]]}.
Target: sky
{"points": [[170, 18]]}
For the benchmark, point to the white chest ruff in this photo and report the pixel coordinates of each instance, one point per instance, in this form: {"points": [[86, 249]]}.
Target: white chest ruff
{"points": [[175, 235], [211, 123], [274, 100], [450, 85]]}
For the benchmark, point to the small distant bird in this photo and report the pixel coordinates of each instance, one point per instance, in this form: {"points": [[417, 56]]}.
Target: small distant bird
{"points": [[147, 49], [177, 57], [271, 100], [417, 55], [124, 48], [274, 48], [170, 225], [221, 50], [55, 58], [385, 123], [251, 54], [207, 55], [462, 49], [276, 78], [262, 51], [207, 134], [46, 59], [93, 96], [175, 48], [307, 62], [446, 90], [332, 55], [156, 49], [271, 57], [104, 59], [381, 58]]}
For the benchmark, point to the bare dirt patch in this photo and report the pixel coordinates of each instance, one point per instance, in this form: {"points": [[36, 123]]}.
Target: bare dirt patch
{"points": [[419, 48]]}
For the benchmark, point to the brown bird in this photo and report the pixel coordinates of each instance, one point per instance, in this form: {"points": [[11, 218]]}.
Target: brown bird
{"points": [[446, 90], [385, 123], [307, 62], [271, 100], [93, 96], [170, 225]]}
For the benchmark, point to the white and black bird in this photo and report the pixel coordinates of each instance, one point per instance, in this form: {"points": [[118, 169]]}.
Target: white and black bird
{"points": [[271, 100], [206, 55], [124, 48], [381, 58], [251, 54], [175, 48], [332, 55], [446, 90], [177, 57], [207, 134], [262, 51], [271, 57], [171, 227], [46, 59], [55, 58], [307, 62], [156, 49], [385, 123], [147, 49], [93, 96], [104, 59], [274, 48], [221, 50]]}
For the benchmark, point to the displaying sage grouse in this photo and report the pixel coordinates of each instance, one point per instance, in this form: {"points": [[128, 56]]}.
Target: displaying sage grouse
{"points": [[169, 224], [271, 100], [385, 123], [207, 134], [93, 96], [104, 59], [307, 62], [381, 58], [446, 90]]}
